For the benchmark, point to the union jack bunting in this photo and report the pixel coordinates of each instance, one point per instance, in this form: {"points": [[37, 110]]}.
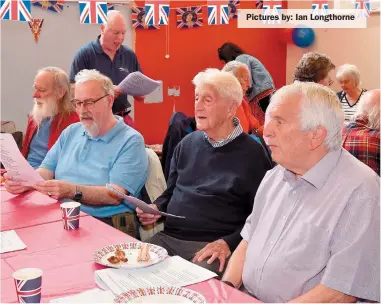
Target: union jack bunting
{"points": [[272, 7], [233, 8], [218, 12], [70, 218], [362, 8], [16, 10], [320, 7], [93, 12], [28, 291], [138, 18], [157, 12], [53, 6], [188, 17]]}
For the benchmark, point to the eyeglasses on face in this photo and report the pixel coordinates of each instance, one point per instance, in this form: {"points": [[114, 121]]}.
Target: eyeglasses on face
{"points": [[88, 103]]}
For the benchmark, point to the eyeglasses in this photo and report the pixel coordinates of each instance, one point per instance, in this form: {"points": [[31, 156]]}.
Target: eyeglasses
{"points": [[88, 104]]}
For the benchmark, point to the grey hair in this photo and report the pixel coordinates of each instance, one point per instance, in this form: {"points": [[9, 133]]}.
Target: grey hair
{"points": [[94, 75], [320, 107], [61, 81], [233, 66], [369, 107], [349, 70], [225, 83]]}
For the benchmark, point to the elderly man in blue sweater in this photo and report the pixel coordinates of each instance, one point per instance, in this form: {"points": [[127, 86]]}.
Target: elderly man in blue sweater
{"points": [[215, 173]]}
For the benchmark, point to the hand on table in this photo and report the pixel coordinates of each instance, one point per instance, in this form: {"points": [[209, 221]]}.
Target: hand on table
{"points": [[13, 186], [217, 249], [56, 189], [146, 218]]}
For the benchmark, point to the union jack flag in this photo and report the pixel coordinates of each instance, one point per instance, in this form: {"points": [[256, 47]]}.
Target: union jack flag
{"points": [[157, 12], [272, 7], [188, 17], [53, 6], [29, 291], [70, 217], [362, 8], [138, 18], [319, 7], [233, 10], [218, 12], [93, 12], [16, 10]]}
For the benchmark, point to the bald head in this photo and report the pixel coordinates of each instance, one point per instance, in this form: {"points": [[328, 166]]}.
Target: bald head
{"points": [[369, 108], [114, 17], [113, 32]]}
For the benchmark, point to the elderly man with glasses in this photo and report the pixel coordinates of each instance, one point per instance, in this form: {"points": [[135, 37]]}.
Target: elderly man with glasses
{"points": [[100, 149]]}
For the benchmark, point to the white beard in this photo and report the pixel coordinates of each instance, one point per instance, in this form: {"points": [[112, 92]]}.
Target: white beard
{"points": [[48, 109], [93, 129]]}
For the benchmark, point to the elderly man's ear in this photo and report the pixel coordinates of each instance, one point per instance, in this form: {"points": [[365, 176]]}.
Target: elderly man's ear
{"points": [[317, 138]]}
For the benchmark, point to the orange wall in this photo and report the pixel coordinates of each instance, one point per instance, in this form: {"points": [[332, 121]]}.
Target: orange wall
{"points": [[192, 50]]}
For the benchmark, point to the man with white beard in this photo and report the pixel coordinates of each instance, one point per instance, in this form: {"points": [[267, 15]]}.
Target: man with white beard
{"points": [[99, 150], [52, 113]]}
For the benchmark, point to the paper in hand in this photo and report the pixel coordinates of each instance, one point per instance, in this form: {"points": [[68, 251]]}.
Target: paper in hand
{"points": [[15, 163], [140, 204], [137, 84]]}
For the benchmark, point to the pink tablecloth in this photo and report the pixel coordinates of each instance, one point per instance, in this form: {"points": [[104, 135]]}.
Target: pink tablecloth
{"points": [[66, 259], [28, 209]]}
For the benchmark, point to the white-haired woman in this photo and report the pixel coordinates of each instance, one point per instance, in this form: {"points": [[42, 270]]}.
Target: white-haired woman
{"points": [[348, 76]]}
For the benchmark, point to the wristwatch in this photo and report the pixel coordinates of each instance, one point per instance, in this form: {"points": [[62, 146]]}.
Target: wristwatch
{"points": [[228, 283], [77, 194]]}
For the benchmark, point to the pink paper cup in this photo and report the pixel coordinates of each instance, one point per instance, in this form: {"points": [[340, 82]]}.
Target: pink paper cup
{"points": [[28, 285], [70, 215]]}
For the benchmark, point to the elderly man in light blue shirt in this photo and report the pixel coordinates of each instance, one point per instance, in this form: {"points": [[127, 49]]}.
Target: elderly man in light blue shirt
{"points": [[314, 232], [100, 149]]}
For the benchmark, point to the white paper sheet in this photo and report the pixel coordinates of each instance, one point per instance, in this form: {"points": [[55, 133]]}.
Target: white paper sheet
{"points": [[10, 241], [137, 84], [140, 204], [173, 271], [156, 96], [15, 163], [95, 295]]}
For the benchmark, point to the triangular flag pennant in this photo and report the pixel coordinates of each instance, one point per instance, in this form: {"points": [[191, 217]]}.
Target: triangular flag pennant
{"points": [[35, 26]]}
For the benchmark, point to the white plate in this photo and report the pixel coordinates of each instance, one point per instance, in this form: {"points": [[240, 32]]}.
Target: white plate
{"points": [[161, 295], [131, 250]]}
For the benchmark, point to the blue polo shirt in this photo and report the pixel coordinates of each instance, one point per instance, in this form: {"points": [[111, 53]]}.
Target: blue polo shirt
{"points": [[92, 56], [117, 157]]}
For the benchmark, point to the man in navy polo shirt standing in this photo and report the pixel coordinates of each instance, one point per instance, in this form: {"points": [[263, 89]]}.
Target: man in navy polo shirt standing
{"points": [[107, 55]]}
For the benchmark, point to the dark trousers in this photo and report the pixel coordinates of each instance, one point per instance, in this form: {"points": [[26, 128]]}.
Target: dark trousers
{"points": [[185, 249]]}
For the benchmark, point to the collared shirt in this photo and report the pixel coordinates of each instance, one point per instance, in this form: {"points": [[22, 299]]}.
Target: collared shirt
{"points": [[92, 56], [236, 132], [117, 157], [363, 143], [323, 228], [39, 144]]}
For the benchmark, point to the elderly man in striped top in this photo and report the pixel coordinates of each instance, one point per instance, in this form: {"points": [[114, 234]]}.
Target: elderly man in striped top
{"points": [[314, 232]]}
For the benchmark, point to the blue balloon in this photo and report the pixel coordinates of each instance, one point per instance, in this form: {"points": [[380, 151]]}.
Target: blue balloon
{"points": [[303, 36]]}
